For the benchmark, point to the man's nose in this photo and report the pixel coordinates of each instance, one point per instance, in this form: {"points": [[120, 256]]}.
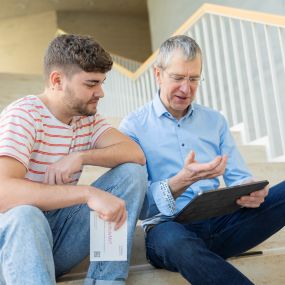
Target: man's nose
{"points": [[99, 92], [185, 85]]}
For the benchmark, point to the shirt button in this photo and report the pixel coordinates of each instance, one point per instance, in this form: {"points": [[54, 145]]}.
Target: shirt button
{"points": [[182, 144]]}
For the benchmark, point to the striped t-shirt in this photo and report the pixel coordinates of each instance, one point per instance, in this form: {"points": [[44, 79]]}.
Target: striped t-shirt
{"points": [[30, 133]]}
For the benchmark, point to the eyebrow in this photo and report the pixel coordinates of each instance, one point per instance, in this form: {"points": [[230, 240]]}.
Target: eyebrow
{"points": [[94, 81], [182, 75]]}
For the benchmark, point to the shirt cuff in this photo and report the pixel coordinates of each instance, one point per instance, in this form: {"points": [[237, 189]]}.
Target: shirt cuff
{"points": [[162, 197], [167, 196]]}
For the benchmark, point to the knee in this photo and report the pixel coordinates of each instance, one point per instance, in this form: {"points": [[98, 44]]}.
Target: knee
{"points": [[134, 170], [171, 240], [172, 244], [24, 213], [135, 174], [276, 194], [26, 218]]}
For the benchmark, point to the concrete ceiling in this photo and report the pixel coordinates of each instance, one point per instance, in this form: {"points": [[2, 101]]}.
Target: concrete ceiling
{"points": [[14, 8]]}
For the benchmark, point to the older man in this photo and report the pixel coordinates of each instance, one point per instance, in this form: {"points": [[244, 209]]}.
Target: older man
{"points": [[187, 146]]}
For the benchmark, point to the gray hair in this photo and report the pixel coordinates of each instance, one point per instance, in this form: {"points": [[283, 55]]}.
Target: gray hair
{"points": [[185, 44]]}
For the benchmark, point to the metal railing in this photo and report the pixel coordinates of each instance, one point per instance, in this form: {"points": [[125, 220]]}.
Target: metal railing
{"points": [[129, 64], [243, 67]]}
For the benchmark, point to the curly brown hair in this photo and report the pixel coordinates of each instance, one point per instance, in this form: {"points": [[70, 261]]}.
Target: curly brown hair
{"points": [[72, 53]]}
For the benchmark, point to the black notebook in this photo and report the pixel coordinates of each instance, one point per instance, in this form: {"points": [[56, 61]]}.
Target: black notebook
{"points": [[217, 202]]}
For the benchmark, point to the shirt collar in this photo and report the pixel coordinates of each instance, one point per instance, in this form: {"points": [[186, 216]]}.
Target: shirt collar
{"points": [[161, 110]]}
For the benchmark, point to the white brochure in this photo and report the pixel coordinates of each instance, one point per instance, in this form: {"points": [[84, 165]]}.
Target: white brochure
{"points": [[106, 244]]}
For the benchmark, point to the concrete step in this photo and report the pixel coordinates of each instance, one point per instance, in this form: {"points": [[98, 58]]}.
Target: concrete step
{"points": [[90, 174], [237, 137], [253, 153], [262, 271], [263, 264], [272, 171]]}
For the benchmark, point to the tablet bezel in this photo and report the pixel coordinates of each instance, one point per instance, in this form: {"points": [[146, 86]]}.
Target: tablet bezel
{"points": [[226, 197]]}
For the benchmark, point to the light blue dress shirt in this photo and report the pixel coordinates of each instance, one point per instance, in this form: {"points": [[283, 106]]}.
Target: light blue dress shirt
{"points": [[166, 142]]}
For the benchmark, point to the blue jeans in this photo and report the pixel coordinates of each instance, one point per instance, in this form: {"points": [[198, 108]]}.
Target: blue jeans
{"points": [[198, 250], [36, 247]]}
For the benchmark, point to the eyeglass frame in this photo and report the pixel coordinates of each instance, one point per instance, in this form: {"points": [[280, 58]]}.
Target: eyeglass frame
{"points": [[194, 81]]}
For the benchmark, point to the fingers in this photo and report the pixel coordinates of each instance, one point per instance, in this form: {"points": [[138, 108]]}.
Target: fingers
{"points": [[212, 169], [58, 178], [251, 201], [50, 177], [109, 207], [261, 193], [121, 221], [66, 178], [55, 176], [118, 218], [219, 169], [209, 166], [190, 158]]}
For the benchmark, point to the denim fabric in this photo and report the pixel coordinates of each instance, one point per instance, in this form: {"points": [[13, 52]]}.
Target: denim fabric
{"points": [[37, 247], [25, 247], [198, 250]]}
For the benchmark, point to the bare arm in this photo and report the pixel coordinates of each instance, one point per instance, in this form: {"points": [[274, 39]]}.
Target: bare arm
{"points": [[15, 190], [112, 149]]}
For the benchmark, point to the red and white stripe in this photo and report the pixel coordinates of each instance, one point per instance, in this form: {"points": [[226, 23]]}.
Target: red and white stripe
{"points": [[32, 135]]}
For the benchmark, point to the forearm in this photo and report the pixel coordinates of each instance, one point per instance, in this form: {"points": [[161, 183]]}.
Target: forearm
{"points": [[113, 155], [178, 185], [15, 191]]}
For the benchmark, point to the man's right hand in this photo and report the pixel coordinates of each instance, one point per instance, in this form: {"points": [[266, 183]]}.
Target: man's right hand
{"points": [[193, 171], [109, 207]]}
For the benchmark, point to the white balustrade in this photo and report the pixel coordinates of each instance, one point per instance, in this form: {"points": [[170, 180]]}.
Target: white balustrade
{"points": [[243, 67]]}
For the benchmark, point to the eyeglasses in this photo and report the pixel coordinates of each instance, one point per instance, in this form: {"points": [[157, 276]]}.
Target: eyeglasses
{"points": [[178, 79]]}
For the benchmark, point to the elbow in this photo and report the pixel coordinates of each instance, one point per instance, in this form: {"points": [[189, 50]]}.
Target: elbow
{"points": [[3, 203], [140, 158], [138, 155]]}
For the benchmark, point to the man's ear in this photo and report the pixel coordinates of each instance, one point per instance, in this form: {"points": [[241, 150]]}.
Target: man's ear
{"points": [[56, 80], [158, 74]]}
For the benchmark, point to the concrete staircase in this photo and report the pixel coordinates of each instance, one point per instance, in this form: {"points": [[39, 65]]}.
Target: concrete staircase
{"points": [[264, 265], [15, 86]]}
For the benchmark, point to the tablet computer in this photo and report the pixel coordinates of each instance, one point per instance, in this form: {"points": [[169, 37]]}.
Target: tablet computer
{"points": [[217, 202]]}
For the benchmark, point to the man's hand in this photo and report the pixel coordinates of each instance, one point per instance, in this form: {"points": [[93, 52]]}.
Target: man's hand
{"points": [[194, 171], [255, 199], [109, 207], [61, 171]]}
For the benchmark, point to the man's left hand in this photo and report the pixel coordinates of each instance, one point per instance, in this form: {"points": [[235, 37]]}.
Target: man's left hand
{"points": [[61, 171], [255, 199]]}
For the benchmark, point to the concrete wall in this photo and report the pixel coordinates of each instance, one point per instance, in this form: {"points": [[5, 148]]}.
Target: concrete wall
{"points": [[166, 16], [23, 42], [120, 34]]}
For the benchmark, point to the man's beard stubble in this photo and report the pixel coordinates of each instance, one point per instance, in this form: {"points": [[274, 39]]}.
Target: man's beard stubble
{"points": [[76, 106]]}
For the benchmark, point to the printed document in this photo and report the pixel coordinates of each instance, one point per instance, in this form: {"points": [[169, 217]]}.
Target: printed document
{"points": [[106, 244]]}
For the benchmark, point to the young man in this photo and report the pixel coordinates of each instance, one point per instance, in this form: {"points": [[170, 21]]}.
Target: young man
{"points": [[45, 141], [174, 132]]}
